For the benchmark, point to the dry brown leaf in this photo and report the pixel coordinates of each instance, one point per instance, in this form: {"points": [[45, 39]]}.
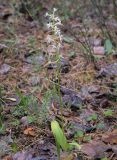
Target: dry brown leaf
{"points": [[29, 131], [110, 137], [40, 97], [95, 149], [11, 99], [114, 149], [99, 50], [67, 156], [7, 158]]}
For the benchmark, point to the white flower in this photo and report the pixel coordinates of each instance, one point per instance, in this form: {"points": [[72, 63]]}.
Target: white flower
{"points": [[49, 39], [58, 24], [54, 9], [59, 46], [61, 38], [46, 15], [58, 21], [53, 46]]}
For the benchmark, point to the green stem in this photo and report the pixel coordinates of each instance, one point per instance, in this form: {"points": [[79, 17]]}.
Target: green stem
{"points": [[59, 92]]}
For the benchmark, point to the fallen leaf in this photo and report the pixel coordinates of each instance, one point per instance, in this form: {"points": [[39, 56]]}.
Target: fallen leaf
{"points": [[114, 149], [109, 70], [4, 69], [4, 147], [40, 97], [22, 156], [6, 12], [12, 99], [68, 39], [95, 41], [110, 137], [38, 60], [29, 131], [2, 46], [94, 149], [66, 156], [7, 158], [99, 50], [34, 81], [24, 121]]}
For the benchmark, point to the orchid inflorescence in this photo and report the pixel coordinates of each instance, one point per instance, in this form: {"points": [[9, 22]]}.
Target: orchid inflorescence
{"points": [[54, 38]]}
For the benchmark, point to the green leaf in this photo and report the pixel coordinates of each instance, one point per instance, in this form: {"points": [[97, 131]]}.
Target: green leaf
{"points": [[14, 147], [75, 144], [79, 133], [67, 39], [59, 135], [108, 113], [108, 46], [92, 117]]}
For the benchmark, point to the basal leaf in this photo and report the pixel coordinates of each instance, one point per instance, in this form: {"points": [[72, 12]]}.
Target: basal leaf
{"points": [[75, 144], [59, 135], [108, 46]]}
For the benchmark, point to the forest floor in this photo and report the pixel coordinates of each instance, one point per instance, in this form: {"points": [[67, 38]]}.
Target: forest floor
{"points": [[28, 102]]}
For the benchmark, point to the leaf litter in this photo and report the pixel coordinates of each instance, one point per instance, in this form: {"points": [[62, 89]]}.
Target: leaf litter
{"points": [[86, 93]]}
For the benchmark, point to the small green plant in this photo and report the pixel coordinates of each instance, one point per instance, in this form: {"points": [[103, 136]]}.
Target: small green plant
{"points": [[15, 122], [92, 117], [14, 147], [108, 113], [60, 139], [22, 108], [54, 40], [11, 44], [100, 125], [79, 134], [28, 106]]}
